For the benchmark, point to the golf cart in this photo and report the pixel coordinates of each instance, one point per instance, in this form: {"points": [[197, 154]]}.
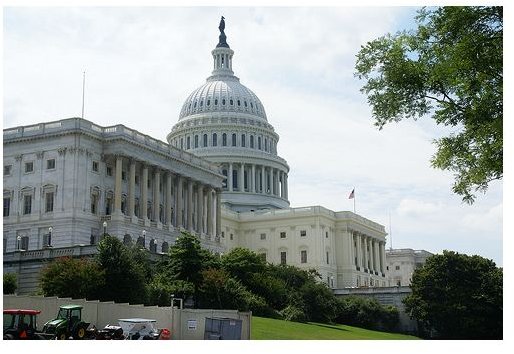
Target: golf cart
{"points": [[22, 324], [68, 323]]}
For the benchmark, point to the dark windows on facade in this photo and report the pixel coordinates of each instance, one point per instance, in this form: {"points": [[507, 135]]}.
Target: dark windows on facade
{"points": [[95, 166], [108, 171], [29, 167], [205, 140], [243, 140], [7, 170], [196, 141], [251, 141], [283, 257], [397, 267], [50, 164], [27, 204], [303, 233], [49, 202], [283, 234], [263, 236], [224, 139], [234, 139], [214, 139], [188, 143], [259, 146], [303, 256], [7, 206]]}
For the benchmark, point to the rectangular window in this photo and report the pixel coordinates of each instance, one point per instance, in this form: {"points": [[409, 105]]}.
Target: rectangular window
{"points": [[328, 258], [326, 234], [24, 243], [29, 167], [50, 164], [243, 140], [303, 233], [7, 170], [283, 257], [263, 236], [49, 202], [124, 175], [136, 178], [231, 236], [108, 171], [94, 203], [397, 267], [303, 256], [27, 204], [283, 234], [95, 166], [7, 206]]}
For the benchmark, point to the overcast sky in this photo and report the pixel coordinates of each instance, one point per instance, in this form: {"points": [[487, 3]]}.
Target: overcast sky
{"points": [[142, 63]]}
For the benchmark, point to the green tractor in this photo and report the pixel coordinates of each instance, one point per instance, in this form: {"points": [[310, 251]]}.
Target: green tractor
{"points": [[67, 324]]}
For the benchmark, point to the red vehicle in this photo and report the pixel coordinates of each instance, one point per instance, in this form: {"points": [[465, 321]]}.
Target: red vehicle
{"points": [[21, 324]]}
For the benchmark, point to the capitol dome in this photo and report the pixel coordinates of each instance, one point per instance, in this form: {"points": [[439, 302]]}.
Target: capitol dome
{"points": [[222, 94], [224, 122]]}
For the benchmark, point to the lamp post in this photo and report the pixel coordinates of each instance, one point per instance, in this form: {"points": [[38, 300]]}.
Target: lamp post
{"points": [[50, 229], [144, 238], [18, 238], [105, 228]]}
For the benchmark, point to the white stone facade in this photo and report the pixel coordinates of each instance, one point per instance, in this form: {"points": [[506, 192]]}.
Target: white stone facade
{"points": [[72, 175], [401, 263]]}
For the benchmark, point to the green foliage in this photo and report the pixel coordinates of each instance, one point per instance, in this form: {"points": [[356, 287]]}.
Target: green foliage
{"points": [[459, 296], [124, 276], [319, 302], [451, 68], [240, 262], [75, 278], [367, 313], [161, 289], [10, 283], [293, 313]]}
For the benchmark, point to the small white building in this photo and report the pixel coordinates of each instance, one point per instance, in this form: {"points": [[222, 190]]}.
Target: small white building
{"points": [[401, 263]]}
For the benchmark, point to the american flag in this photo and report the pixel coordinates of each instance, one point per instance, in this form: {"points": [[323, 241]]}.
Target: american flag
{"points": [[352, 194]]}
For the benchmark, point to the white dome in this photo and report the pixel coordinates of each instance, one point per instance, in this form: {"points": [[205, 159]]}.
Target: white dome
{"points": [[222, 93]]}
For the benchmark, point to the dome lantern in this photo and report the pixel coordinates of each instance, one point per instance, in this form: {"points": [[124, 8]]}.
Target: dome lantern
{"points": [[222, 54]]}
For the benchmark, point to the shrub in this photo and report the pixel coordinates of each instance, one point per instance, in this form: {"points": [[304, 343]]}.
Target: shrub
{"points": [[10, 283]]}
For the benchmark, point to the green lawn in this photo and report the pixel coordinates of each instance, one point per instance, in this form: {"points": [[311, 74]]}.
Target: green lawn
{"points": [[267, 328]]}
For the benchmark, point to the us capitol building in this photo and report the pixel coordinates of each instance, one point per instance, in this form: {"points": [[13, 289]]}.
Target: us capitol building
{"points": [[220, 177]]}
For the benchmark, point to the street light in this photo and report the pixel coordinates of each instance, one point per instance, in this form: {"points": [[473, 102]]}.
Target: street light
{"points": [[105, 228], [50, 229], [144, 238]]}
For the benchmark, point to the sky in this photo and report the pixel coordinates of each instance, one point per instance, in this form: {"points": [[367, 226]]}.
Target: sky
{"points": [[141, 63]]}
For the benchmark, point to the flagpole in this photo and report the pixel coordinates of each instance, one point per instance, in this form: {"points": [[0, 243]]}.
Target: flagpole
{"points": [[83, 87], [354, 200]]}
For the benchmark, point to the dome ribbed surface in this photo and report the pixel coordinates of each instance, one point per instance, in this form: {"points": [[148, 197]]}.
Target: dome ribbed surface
{"points": [[223, 94]]}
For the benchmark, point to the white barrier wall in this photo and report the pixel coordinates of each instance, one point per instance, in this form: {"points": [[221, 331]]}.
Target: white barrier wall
{"points": [[185, 324]]}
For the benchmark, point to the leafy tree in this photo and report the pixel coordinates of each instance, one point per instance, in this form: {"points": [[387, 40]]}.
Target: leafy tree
{"points": [[187, 260], [241, 262], [161, 288], [459, 296], [451, 68], [367, 313], [10, 283], [75, 278], [124, 278]]}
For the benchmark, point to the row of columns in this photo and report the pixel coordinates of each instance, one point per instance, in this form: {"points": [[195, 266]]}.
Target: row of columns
{"points": [[369, 252], [193, 214], [260, 179]]}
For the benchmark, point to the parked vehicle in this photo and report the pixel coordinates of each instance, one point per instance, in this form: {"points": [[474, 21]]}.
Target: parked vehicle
{"points": [[107, 333], [22, 324], [68, 323], [141, 328]]}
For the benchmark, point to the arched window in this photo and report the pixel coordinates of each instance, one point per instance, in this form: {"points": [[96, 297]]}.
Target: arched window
{"points": [[234, 139], [259, 146], [188, 145], [224, 139], [216, 102], [214, 139], [243, 140], [238, 102], [231, 102], [265, 144], [223, 101], [196, 141], [251, 141], [208, 102], [205, 140]]}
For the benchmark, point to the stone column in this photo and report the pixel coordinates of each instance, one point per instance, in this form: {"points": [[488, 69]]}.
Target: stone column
{"points": [[230, 177], [370, 255], [117, 185], [286, 187], [382, 257], [377, 256], [169, 202], [144, 193], [180, 185], [156, 194], [253, 178], [132, 187], [263, 179], [365, 252], [242, 178], [190, 205], [359, 250], [199, 214], [218, 213], [271, 181], [209, 211], [275, 182]]}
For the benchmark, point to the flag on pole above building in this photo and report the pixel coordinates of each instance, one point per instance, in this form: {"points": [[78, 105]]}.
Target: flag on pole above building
{"points": [[352, 194]]}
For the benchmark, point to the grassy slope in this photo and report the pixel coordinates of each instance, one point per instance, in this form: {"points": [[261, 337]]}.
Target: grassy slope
{"points": [[267, 328]]}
